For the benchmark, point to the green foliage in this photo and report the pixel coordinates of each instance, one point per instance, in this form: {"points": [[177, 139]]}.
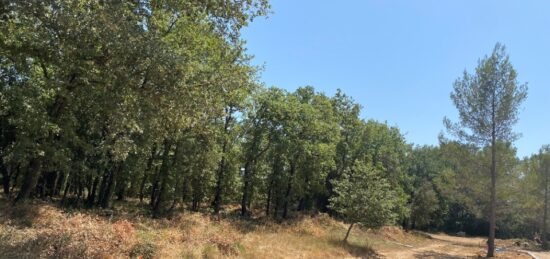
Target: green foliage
{"points": [[488, 101], [424, 205], [364, 196]]}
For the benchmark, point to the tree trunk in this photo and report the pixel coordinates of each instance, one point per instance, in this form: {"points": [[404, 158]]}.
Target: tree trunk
{"points": [[305, 199], [544, 221], [62, 182], [246, 189], [5, 179], [197, 193], [216, 203], [121, 187], [110, 186], [142, 187], [154, 188], [79, 192], [105, 200], [145, 176], [175, 199], [91, 196], [268, 198], [288, 190], [184, 191], [195, 203], [347, 234], [102, 186], [275, 169], [15, 178], [65, 192], [30, 180], [163, 180], [53, 190], [492, 213]]}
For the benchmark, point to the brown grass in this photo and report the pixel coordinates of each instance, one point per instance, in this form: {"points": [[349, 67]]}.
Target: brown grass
{"points": [[42, 230]]}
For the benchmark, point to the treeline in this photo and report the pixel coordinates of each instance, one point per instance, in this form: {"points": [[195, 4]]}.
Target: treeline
{"points": [[157, 101], [96, 95], [449, 190]]}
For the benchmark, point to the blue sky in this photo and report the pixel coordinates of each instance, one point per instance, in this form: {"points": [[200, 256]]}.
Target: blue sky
{"points": [[399, 59]]}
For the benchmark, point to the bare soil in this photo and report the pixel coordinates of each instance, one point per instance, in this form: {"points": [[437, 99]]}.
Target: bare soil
{"points": [[451, 247]]}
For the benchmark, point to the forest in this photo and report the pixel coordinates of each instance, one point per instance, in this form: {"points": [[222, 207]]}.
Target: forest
{"points": [[158, 102]]}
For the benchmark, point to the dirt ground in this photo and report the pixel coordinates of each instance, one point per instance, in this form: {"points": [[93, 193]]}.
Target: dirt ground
{"points": [[451, 247], [539, 255]]}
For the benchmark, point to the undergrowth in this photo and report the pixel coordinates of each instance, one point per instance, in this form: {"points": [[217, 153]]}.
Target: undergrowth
{"points": [[43, 230]]}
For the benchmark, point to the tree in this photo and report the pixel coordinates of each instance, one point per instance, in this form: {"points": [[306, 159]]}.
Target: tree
{"points": [[488, 104], [424, 204], [544, 171], [83, 99], [363, 196]]}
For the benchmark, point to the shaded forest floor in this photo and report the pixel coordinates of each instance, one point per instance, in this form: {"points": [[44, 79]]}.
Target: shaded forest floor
{"points": [[42, 230]]}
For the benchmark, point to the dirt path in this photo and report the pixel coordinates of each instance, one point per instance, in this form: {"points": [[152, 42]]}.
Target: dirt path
{"points": [[449, 247], [433, 250], [539, 255]]}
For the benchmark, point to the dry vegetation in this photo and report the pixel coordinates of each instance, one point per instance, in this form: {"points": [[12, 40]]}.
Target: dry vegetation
{"points": [[42, 230]]}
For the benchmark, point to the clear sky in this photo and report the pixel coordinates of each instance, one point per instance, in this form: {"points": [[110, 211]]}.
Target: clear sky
{"points": [[399, 59]]}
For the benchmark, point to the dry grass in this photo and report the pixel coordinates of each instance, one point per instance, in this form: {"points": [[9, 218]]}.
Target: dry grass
{"points": [[42, 230]]}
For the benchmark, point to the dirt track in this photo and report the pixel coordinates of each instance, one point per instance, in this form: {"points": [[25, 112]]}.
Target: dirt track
{"points": [[450, 247], [540, 255]]}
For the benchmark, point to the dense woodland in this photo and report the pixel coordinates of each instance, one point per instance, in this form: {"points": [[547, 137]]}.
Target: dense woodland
{"points": [[157, 101]]}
